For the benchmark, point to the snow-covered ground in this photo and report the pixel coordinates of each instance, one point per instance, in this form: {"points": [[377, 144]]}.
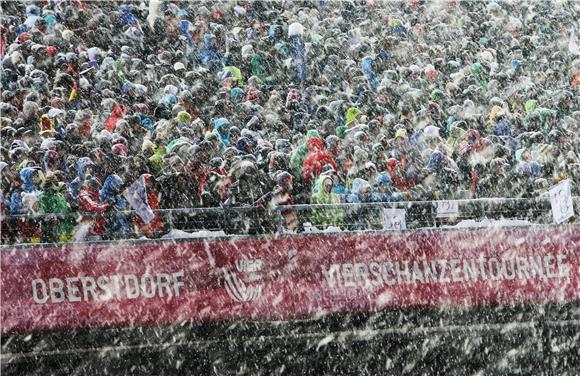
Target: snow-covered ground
{"points": [[179, 234]]}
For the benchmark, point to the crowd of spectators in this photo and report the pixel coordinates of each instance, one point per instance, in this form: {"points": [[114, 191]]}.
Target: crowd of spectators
{"points": [[258, 104]]}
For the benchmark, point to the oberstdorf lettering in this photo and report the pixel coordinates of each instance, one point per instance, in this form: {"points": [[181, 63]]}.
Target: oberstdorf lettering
{"points": [[104, 288]]}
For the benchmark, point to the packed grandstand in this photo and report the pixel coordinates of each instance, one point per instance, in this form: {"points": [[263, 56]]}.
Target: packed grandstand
{"points": [[114, 112]]}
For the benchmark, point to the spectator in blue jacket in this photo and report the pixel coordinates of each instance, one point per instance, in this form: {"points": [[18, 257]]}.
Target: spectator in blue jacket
{"points": [[116, 225], [85, 166], [209, 54], [383, 189]]}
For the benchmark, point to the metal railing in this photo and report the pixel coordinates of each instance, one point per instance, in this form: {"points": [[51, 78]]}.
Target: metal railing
{"points": [[307, 217]]}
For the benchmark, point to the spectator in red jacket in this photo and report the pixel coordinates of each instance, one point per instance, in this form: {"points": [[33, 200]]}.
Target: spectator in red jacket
{"points": [[397, 175], [117, 113], [315, 160], [88, 199]]}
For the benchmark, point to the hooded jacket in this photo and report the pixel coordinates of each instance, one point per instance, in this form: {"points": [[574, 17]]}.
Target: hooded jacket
{"points": [[326, 217], [209, 56], [351, 115], [221, 128], [157, 159], [24, 200], [281, 196], [437, 161], [315, 160], [397, 175], [116, 225], [300, 153], [257, 66], [26, 176], [53, 162], [362, 218], [51, 201], [249, 187], [117, 113], [367, 68], [237, 73], [473, 143], [75, 186], [456, 136], [355, 194], [88, 201], [29, 189], [384, 181]]}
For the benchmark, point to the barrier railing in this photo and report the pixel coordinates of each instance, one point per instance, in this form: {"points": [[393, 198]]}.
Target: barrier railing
{"points": [[250, 220]]}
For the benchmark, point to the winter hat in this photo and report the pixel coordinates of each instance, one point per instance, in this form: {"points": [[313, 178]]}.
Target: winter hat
{"points": [[247, 51], [120, 149], [378, 148], [283, 145], [46, 125], [315, 142], [283, 177], [400, 133], [515, 63], [50, 180], [295, 29], [431, 131], [216, 162], [183, 116], [430, 72], [179, 66], [220, 123], [92, 183], [476, 68], [312, 133], [494, 112], [147, 145], [370, 166], [530, 106], [360, 136], [436, 94], [236, 94], [360, 156], [351, 115], [341, 132]]}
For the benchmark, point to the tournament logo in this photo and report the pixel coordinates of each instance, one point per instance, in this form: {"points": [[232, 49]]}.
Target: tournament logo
{"points": [[238, 282]]}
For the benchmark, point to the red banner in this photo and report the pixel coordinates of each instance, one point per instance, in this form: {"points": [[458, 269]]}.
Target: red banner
{"points": [[167, 282]]}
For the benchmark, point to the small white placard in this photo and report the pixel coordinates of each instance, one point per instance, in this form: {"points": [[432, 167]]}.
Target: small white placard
{"points": [[394, 219], [561, 201], [447, 209]]}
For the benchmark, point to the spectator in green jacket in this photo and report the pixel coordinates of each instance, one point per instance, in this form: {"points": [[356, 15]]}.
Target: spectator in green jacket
{"points": [[324, 195], [52, 201]]}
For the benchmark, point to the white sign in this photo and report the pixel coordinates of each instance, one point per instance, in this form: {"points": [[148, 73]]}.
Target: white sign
{"points": [[561, 201], [394, 219], [447, 209]]}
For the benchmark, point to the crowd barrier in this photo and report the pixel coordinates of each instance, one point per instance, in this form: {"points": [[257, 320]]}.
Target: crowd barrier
{"points": [[412, 215]]}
